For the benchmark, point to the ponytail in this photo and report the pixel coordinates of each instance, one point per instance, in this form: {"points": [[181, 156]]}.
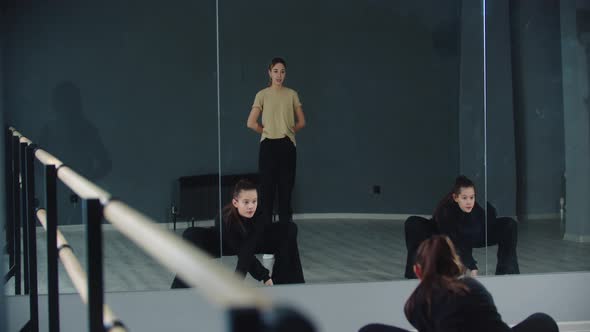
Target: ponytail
{"points": [[441, 268]]}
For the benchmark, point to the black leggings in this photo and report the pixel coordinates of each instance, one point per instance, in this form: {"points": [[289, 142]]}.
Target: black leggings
{"points": [[276, 167], [503, 232], [280, 239], [538, 322]]}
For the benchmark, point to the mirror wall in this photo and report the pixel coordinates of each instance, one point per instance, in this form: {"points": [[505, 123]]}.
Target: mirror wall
{"points": [[537, 132], [392, 95], [397, 103]]}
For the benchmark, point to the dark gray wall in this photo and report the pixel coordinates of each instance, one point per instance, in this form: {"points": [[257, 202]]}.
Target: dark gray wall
{"points": [[379, 84], [501, 157], [2, 170], [376, 80], [471, 140], [135, 85], [123, 92], [486, 125], [538, 105]]}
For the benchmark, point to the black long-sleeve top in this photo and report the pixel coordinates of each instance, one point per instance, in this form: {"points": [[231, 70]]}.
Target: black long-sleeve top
{"points": [[452, 312], [464, 229], [243, 238]]}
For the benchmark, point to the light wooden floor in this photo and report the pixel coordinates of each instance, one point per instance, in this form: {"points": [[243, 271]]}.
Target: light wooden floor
{"points": [[331, 251]]}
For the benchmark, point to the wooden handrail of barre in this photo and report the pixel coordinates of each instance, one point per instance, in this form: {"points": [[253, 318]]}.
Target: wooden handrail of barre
{"points": [[15, 132], [82, 186], [20, 136], [23, 139], [76, 182], [43, 156], [47, 158], [192, 265], [77, 273]]}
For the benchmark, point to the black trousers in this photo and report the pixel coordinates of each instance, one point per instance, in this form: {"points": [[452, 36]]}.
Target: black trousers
{"points": [[503, 232], [381, 328], [276, 167], [538, 322], [280, 239]]}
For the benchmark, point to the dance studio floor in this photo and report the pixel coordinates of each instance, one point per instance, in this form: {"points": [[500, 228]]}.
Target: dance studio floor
{"points": [[331, 251]]}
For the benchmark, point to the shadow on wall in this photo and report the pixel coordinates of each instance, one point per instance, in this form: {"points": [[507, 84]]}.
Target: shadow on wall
{"points": [[71, 137]]}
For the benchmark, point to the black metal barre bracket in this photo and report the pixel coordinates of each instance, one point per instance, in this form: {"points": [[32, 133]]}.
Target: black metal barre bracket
{"points": [[16, 210], [9, 199], [92, 215], [30, 222], [52, 250], [16, 217], [58, 166], [22, 184], [64, 246]]}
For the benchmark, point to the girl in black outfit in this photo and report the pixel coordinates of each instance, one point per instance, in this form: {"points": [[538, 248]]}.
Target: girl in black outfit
{"points": [[463, 220], [446, 301], [245, 235]]}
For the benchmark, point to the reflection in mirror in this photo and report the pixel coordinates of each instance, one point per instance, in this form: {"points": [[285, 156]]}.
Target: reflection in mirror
{"points": [[498, 189], [538, 128], [392, 94]]}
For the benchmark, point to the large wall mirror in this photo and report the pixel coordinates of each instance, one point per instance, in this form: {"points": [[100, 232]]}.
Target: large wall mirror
{"points": [[399, 98], [392, 94], [537, 134]]}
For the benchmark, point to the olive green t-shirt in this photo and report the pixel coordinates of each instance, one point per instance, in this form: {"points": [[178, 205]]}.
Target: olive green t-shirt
{"points": [[278, 112]]}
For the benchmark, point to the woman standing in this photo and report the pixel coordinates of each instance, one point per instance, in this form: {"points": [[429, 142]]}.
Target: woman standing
{"points": [[282, 117]]}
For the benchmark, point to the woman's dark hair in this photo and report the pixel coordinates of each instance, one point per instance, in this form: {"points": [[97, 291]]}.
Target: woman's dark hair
{"points": [[273, 62], [230, 213], [441, 268], [460, 182]]}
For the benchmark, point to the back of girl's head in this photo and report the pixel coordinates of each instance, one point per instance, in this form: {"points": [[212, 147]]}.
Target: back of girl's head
{"points": [[438, 258], [274, 61], [440, 268]]}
